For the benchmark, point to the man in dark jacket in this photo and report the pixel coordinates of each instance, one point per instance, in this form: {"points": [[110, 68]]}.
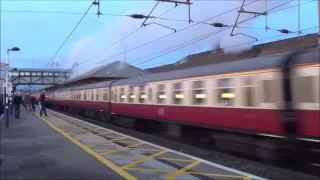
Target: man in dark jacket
{"points": [[16, 103], [42, 99], [33, 102]]}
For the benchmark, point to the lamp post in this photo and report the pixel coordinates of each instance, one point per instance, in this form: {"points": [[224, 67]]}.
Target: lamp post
{"points": [[10, 89], [7, 84]]}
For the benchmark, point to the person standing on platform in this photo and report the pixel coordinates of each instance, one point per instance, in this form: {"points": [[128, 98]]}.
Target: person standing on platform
{"points": [[27, 101], [42, 99], [11, 104], [17, 99], [1, 110], [33, 102], [22, 100]]}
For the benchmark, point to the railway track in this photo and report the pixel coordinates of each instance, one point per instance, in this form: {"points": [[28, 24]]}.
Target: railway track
{"points": [[214, 153]]}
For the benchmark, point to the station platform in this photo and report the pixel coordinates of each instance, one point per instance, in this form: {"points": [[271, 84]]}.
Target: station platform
{"points": [[30, 149], [59, 146]]}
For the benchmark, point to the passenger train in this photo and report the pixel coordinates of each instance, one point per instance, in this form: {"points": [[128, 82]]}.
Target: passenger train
{"points": [[262, 98]]}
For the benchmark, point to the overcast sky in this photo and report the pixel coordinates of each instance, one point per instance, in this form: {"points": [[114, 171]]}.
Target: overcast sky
{"points": [[39, 34]]}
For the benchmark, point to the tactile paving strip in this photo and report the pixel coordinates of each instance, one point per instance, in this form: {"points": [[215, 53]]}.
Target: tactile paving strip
{"points": [[141, 160]]}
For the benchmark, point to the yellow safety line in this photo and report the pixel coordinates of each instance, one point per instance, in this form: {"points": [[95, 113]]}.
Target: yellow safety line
{"points": [[126, 141], [247, 178], [120, 149], [181, 171], [217, 175], [112, 166], [173, 159], [112, 140], [153, 150], [124, 156], [77, 132], [142, 159], [111, 137], [150, 170]]}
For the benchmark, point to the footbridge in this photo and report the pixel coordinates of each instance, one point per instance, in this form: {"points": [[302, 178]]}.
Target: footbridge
{"points": [[26, 76]]}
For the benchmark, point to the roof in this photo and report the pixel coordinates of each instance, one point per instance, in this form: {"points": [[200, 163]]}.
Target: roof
{"points": [[218, 56], [112, 71], [116, 69], [256, 63]]}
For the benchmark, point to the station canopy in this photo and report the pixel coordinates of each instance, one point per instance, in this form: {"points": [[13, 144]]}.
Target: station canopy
{"points": [[112, 71]]}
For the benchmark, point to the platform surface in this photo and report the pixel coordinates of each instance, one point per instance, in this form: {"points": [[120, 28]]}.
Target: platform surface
{"points": [[133, 158], [62, 147], [30, 149]]}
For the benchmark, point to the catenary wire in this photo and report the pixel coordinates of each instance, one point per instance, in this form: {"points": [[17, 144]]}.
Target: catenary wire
{"points": [[197, 23], [162, 37], [196, 39], [281, 35], [184, 20], [277, 36], [58, 12], [124, 15], [123, 38], [69, 35]]}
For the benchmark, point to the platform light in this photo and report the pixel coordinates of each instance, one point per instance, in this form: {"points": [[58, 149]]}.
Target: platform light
{"points": [[163, 96], [143, 96], [228, 95], [132, 96], [179, 96], [201, 96], [123, 97]]}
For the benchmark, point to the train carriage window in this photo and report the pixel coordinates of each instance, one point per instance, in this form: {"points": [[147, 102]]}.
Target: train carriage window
{"points": [[115, 94], [225, 92], [97, 94], [199, 94], [271, 93], [85, 95], [248, 87], [303, 89], [161, 94], [142, 94], [105, 96], [131, 95], [177, 94], [92, 95], [150, 94], [122, 95]]}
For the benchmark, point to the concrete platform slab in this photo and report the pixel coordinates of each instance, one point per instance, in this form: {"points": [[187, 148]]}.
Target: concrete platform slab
{"points": [[30, 149]]}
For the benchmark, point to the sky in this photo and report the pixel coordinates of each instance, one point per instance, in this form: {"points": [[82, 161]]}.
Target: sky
{"points": [[40, 34]]}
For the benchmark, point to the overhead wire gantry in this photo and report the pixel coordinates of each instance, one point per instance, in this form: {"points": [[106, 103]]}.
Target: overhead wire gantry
{"points": [[187, 2]]}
